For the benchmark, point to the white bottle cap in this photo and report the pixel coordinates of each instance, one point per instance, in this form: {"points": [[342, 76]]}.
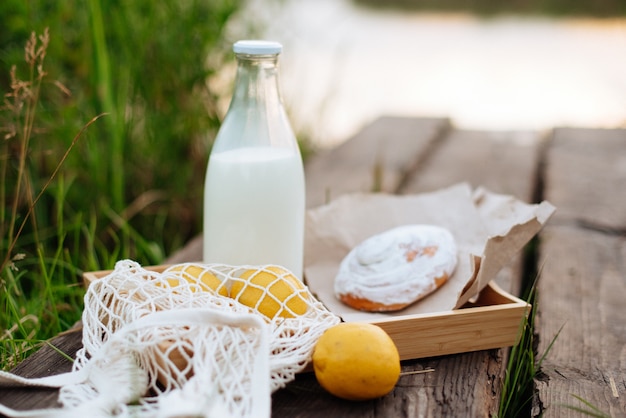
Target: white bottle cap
{"points": [[254, 47]]}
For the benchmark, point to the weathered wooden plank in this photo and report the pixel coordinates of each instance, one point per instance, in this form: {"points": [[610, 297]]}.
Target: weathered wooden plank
{"points": [[504, 162], [586, 177], [439, 389], [582, 287], [44, 362], [582, 290], [376, 159]]}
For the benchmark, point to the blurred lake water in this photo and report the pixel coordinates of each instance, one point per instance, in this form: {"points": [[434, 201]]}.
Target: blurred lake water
{"points": [[343, 65]]}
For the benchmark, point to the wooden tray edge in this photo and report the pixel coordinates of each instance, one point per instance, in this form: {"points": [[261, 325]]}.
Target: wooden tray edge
{"points": [[471, 328]]}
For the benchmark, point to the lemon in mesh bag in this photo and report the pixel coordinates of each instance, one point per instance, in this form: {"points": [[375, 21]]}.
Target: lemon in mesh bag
{"points": [[197, 276], [272, 291]]}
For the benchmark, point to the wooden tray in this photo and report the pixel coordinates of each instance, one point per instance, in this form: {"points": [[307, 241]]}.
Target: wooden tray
{"points": [[493, 321]]}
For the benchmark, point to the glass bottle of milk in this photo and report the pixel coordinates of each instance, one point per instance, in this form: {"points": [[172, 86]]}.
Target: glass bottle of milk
{"points": [[254, 189]]}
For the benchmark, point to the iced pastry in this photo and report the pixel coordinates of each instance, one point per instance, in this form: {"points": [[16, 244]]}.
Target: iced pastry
{"points": [[391, 270]]}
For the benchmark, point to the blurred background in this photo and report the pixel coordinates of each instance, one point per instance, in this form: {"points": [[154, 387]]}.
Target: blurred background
{"points": [[485, 64], [78, 194]]}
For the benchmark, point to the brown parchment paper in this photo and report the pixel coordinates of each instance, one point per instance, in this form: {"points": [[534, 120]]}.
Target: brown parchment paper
{"points": [[489, 230]]}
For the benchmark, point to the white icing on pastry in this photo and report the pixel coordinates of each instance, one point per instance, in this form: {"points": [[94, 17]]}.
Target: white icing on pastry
{"points": [[399, 266]]}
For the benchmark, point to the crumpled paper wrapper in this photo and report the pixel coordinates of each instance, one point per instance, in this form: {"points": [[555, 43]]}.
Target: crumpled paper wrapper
{"points": [[489, 230]]}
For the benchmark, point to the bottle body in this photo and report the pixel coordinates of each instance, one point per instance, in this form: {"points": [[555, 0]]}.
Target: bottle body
{"points": [[254, 198], [254, 205]]}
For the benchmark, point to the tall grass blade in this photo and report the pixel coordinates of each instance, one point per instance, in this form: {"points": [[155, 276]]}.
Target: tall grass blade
{"points": [[14, 238]]}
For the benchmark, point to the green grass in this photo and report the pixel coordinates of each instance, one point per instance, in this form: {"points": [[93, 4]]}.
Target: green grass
{"points": [[523, 366], [36, 305], [107, 122]]}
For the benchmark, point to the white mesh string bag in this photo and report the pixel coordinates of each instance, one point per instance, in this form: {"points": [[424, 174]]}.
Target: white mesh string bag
{"points": [[205, 340], [173, 363]]}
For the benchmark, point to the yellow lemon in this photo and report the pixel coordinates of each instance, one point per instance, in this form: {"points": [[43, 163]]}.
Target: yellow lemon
{"points": [[356, 361], [195, 273], [272, 291]]}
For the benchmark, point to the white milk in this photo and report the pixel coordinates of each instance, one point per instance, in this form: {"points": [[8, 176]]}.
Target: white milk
{"points": [[254, 206]]}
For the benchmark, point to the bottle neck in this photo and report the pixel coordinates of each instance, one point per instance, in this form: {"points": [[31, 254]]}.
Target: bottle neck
{"points": [[256, 83], [256, 116]]}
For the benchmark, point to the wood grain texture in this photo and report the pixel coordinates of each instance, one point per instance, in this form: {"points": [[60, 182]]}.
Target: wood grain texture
{"points": [[582, 287], [503, 162], [586, 177], [582, 290], [378, 158], [44, 362], [458, 386], [461, 330]]}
